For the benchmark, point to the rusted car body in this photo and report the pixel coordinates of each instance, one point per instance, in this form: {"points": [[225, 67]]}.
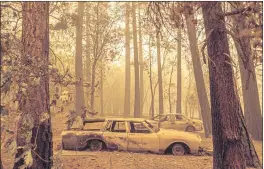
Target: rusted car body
{"points": [[130, 134], [177, 122]]}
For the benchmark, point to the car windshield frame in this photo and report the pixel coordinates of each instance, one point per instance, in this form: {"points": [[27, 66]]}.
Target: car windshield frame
{"points": [[157, 117], [149, 125]]}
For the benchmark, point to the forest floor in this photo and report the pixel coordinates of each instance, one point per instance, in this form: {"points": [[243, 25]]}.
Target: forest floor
{"points": [[118, 160]]}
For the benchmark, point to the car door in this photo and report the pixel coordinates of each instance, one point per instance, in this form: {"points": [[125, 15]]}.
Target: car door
{"points": [[115, 135], [141, 138], [150, 140]]}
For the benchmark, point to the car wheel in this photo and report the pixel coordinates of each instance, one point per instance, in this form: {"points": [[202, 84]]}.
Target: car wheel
{"points": [[178, 150], [190, 129], [96, 145]]}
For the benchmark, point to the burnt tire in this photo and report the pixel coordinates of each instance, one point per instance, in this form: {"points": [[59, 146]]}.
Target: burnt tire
{"points": [[96, 145], [178, 149], [190, 129]]}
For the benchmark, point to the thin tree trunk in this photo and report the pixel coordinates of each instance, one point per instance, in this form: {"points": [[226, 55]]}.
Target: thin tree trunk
{"points": [[169, 90], [95, 58], [137, 92], [78, 62], [159, 75], [34, 135], [150, 81], [88, 53], [171, 73], [252, 108], [198, 73], [233, 147], [178, 109], [127, 69], [92, 88], [102, 88], [141, 63]]}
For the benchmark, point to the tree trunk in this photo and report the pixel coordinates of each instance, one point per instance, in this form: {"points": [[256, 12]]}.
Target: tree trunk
{"points": [[141, 63], [88, 54], [78, 62], [34, 135], [92, 88], [252, 108], [137, 92], [198, 73], [159, 75], [150, 81], [95, 57], [169, 90], [127, 69], [178, 106], [233, 147], [102, 89]]}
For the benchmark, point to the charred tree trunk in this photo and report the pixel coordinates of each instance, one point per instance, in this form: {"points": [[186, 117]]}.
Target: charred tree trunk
{"points": [[178, 106], [169, 90], [252, 110], [92, 87], [95, 58], [151, 82], [127, 70], [136, 63], [159, 74], [102, 88], [88, 54], [198, 73], [34, 135], [141, 63], [233, 147], [79, 99]]}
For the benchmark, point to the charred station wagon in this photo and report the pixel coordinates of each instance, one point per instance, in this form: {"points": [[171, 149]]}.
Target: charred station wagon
{"points": [[129, 134]]}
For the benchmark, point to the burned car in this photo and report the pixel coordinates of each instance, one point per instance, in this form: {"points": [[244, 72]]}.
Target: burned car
{"points": [[129, 134], [177, 122]]}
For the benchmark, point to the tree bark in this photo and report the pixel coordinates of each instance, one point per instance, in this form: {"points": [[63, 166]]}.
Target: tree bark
{"points": [[141, 63], [159, 74], [232, 145], [127, 66], [102, 88], [150, 81], [252, 110], [95, 57], [88, 53], [79, 97], [92, 87], [178, 106], [198, 73], [137, 92], [169, 90], [34, 135]]}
